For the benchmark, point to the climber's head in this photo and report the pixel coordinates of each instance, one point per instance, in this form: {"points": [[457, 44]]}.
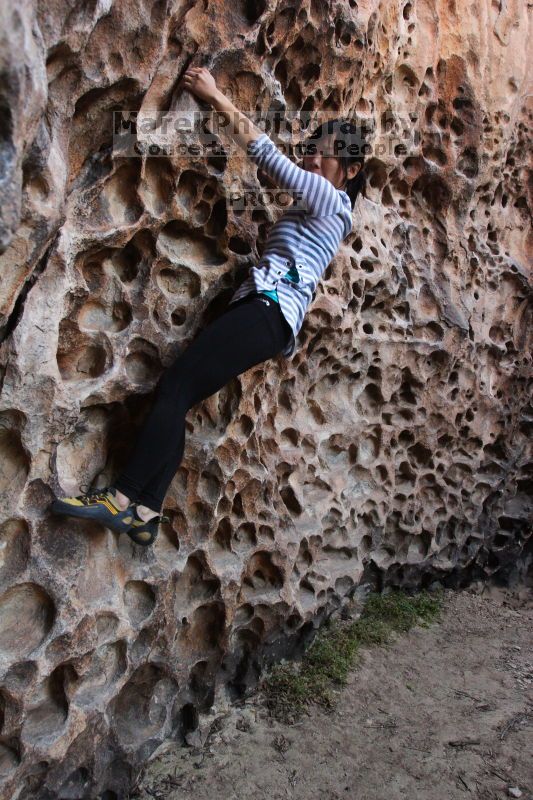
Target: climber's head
{"points": [[336, 150]]}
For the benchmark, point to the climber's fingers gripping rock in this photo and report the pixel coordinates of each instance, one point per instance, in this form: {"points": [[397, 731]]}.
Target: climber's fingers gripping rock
{"points": [[200, 82]]}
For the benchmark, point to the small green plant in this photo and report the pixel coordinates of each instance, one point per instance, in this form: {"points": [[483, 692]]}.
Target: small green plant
{"points": [[290, 687]]}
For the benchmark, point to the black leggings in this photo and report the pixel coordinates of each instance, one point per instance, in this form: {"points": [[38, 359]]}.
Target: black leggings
{"points": [[249, 331]]}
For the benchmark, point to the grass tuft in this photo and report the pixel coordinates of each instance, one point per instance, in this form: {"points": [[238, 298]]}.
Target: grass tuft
{"points": [[290, 687]]}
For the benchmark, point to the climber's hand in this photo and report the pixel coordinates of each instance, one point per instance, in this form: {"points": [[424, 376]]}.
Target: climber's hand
{"points": [[200, 82]]}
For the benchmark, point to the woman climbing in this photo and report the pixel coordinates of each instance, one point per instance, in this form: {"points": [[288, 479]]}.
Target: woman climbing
{"points": [[262, 318]]}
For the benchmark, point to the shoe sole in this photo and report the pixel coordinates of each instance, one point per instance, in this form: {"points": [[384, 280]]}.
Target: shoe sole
{"points": [[141, 544]]}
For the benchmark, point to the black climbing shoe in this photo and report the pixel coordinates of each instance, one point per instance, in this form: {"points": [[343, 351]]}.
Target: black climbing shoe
{"points": [[99, 505], [142, 532]]}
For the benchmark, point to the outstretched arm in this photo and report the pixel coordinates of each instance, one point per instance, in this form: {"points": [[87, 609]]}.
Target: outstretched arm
{"points": [[314, 191], [200, 82]]}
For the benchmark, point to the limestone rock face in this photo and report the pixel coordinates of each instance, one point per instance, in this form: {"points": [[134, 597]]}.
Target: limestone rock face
{"points": [[393, 448]]}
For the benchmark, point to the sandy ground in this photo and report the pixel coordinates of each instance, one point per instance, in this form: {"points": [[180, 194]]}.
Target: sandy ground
{"points": [[439, 713]]}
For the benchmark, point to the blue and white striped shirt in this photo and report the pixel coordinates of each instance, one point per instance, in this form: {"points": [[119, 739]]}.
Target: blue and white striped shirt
{"points": [[306, 237]]}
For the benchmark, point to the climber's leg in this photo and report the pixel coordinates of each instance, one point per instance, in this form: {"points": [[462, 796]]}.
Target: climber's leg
{"points": [[248, 332]]}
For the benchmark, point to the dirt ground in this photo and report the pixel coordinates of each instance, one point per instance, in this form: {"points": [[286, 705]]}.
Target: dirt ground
{"points": [[438, 713]]}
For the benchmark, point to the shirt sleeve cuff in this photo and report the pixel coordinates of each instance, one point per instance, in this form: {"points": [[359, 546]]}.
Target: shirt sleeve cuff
{"points": [[258, 144]]}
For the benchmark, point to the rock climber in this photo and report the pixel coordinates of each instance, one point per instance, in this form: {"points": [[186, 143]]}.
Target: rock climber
{"points": [[260, 321]]}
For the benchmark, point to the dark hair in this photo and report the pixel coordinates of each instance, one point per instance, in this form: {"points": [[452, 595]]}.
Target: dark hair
{"points": [[349, 146]]}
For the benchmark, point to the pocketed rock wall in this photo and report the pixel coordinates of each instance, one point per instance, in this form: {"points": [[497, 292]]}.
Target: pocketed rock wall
{"points": [[392, 449]]}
